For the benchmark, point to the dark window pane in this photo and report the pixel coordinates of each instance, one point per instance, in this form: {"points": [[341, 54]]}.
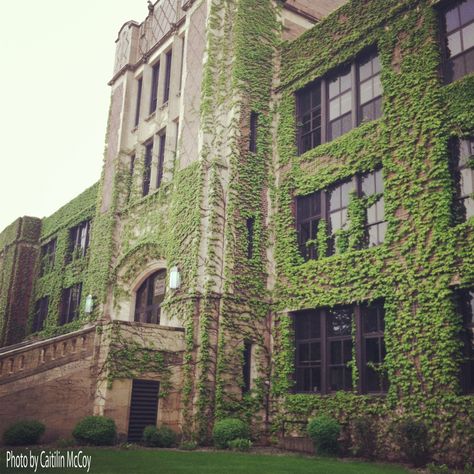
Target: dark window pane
{"points": [[373, 380], [452, 19], [372, 350], [466, 12], [336, 378], [346, 124], [339, 321], [347, 350], [454, 43], [303, 352], [469, 61], [335, 351], [315, 354], [316, 379]]}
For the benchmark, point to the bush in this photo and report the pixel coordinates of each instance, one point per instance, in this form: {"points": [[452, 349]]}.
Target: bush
{"points": [[162, 437], [95, 430], [412, 438], [324, 431], [188, 445], [227, 430], [23, 433], [364, 437], [438, 469], [240, 444]]}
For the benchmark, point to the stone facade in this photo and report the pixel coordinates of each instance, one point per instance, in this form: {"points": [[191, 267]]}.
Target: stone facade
{"points": [[214, 174]]}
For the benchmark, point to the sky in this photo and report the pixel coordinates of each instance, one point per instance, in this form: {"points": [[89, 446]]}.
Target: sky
{"points": [[56, 59]]}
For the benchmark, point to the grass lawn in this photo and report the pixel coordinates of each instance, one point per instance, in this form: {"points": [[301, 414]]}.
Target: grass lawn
{"points": [[144, 461]]}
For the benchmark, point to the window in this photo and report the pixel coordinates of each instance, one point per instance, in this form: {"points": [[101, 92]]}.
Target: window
{"points": [[247, 367], [338, 198], [250, 231], [465, 306], [324, 348], [463, 174], [331, 205], [48, 252], [459, 40], [253, 132], [371, 184], [330, 107], [147, 168], [70, 302], [166, 92], [308, 216], [78, 241], [372, 321], [150, 295], [154, 87], [139, 99], [41, 313], [161, 159]]}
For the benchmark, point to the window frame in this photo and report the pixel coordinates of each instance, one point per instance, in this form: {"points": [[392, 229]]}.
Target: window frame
{"points": [[47, 257], [448, 74], [324, 340], [167, 84], [145, 288], [147, 163], [40, 315], [324, 84], [463, 300], [460, 210], [138, 101], [70, 303], [155, 77], [161, 158], [78, 242]]}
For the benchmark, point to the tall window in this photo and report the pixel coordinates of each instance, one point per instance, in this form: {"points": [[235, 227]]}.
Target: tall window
{"points": [[459, 40], [147, 168], [250, 230], [154, 87], [338, 201], [308, 351], [371, 184], [247, 366], [166, 92], [41, 313], [465, 305], [139, 100], [330, 107], [253, 132], [48, 252], [309, 213], [324, 347], [70, 301], [161, 159], [462, 151], [150, 296], [78, 241], [373, 347]]}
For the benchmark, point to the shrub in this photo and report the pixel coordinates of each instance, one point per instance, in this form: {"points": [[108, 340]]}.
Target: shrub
{"points": [[412, 438], [240, 444], [324, 431], [188, 445], [162, 437], [364, 437], [227, 430], [23, 433], [95, 430], [438, 469]]}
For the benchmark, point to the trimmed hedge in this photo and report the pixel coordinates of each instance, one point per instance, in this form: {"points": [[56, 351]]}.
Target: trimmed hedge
{"points": [[324, 431], [23, 433], [227, 430], [96, 431], [162, 437]]}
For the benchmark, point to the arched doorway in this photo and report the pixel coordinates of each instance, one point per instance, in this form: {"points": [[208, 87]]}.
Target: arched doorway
{"points": [[149, 298]]}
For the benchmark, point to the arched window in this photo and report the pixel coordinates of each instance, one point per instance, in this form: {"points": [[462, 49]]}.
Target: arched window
{"points": [[150, 295]]}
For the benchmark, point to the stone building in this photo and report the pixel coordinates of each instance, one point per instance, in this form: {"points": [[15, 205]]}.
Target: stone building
{"points": [[283, 227]]}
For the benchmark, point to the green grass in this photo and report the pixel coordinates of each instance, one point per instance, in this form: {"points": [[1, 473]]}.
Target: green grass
{"points": [[144, 461]]}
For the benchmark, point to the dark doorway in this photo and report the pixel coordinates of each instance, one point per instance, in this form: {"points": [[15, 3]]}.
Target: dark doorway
{"points": [[143, 407]]}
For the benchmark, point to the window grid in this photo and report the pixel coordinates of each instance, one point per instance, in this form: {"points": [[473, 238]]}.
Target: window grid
{"points": [[48, 253], [70, 304], [154, 87], [78, 241], [459, 40], [139, 99], [161, 159], [332, 106], [371, 184], [166, 91], [247, 366], [41, 313], [309, 212], [149, 298], [324, 341], [147, 168]]}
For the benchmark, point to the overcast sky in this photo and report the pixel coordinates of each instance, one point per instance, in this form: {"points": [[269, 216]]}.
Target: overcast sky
{"points": [[57, 57]]}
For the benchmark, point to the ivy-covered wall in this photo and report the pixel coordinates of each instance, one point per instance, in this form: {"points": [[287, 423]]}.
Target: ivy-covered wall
{"points": [[424, 256], [65, 272]]}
